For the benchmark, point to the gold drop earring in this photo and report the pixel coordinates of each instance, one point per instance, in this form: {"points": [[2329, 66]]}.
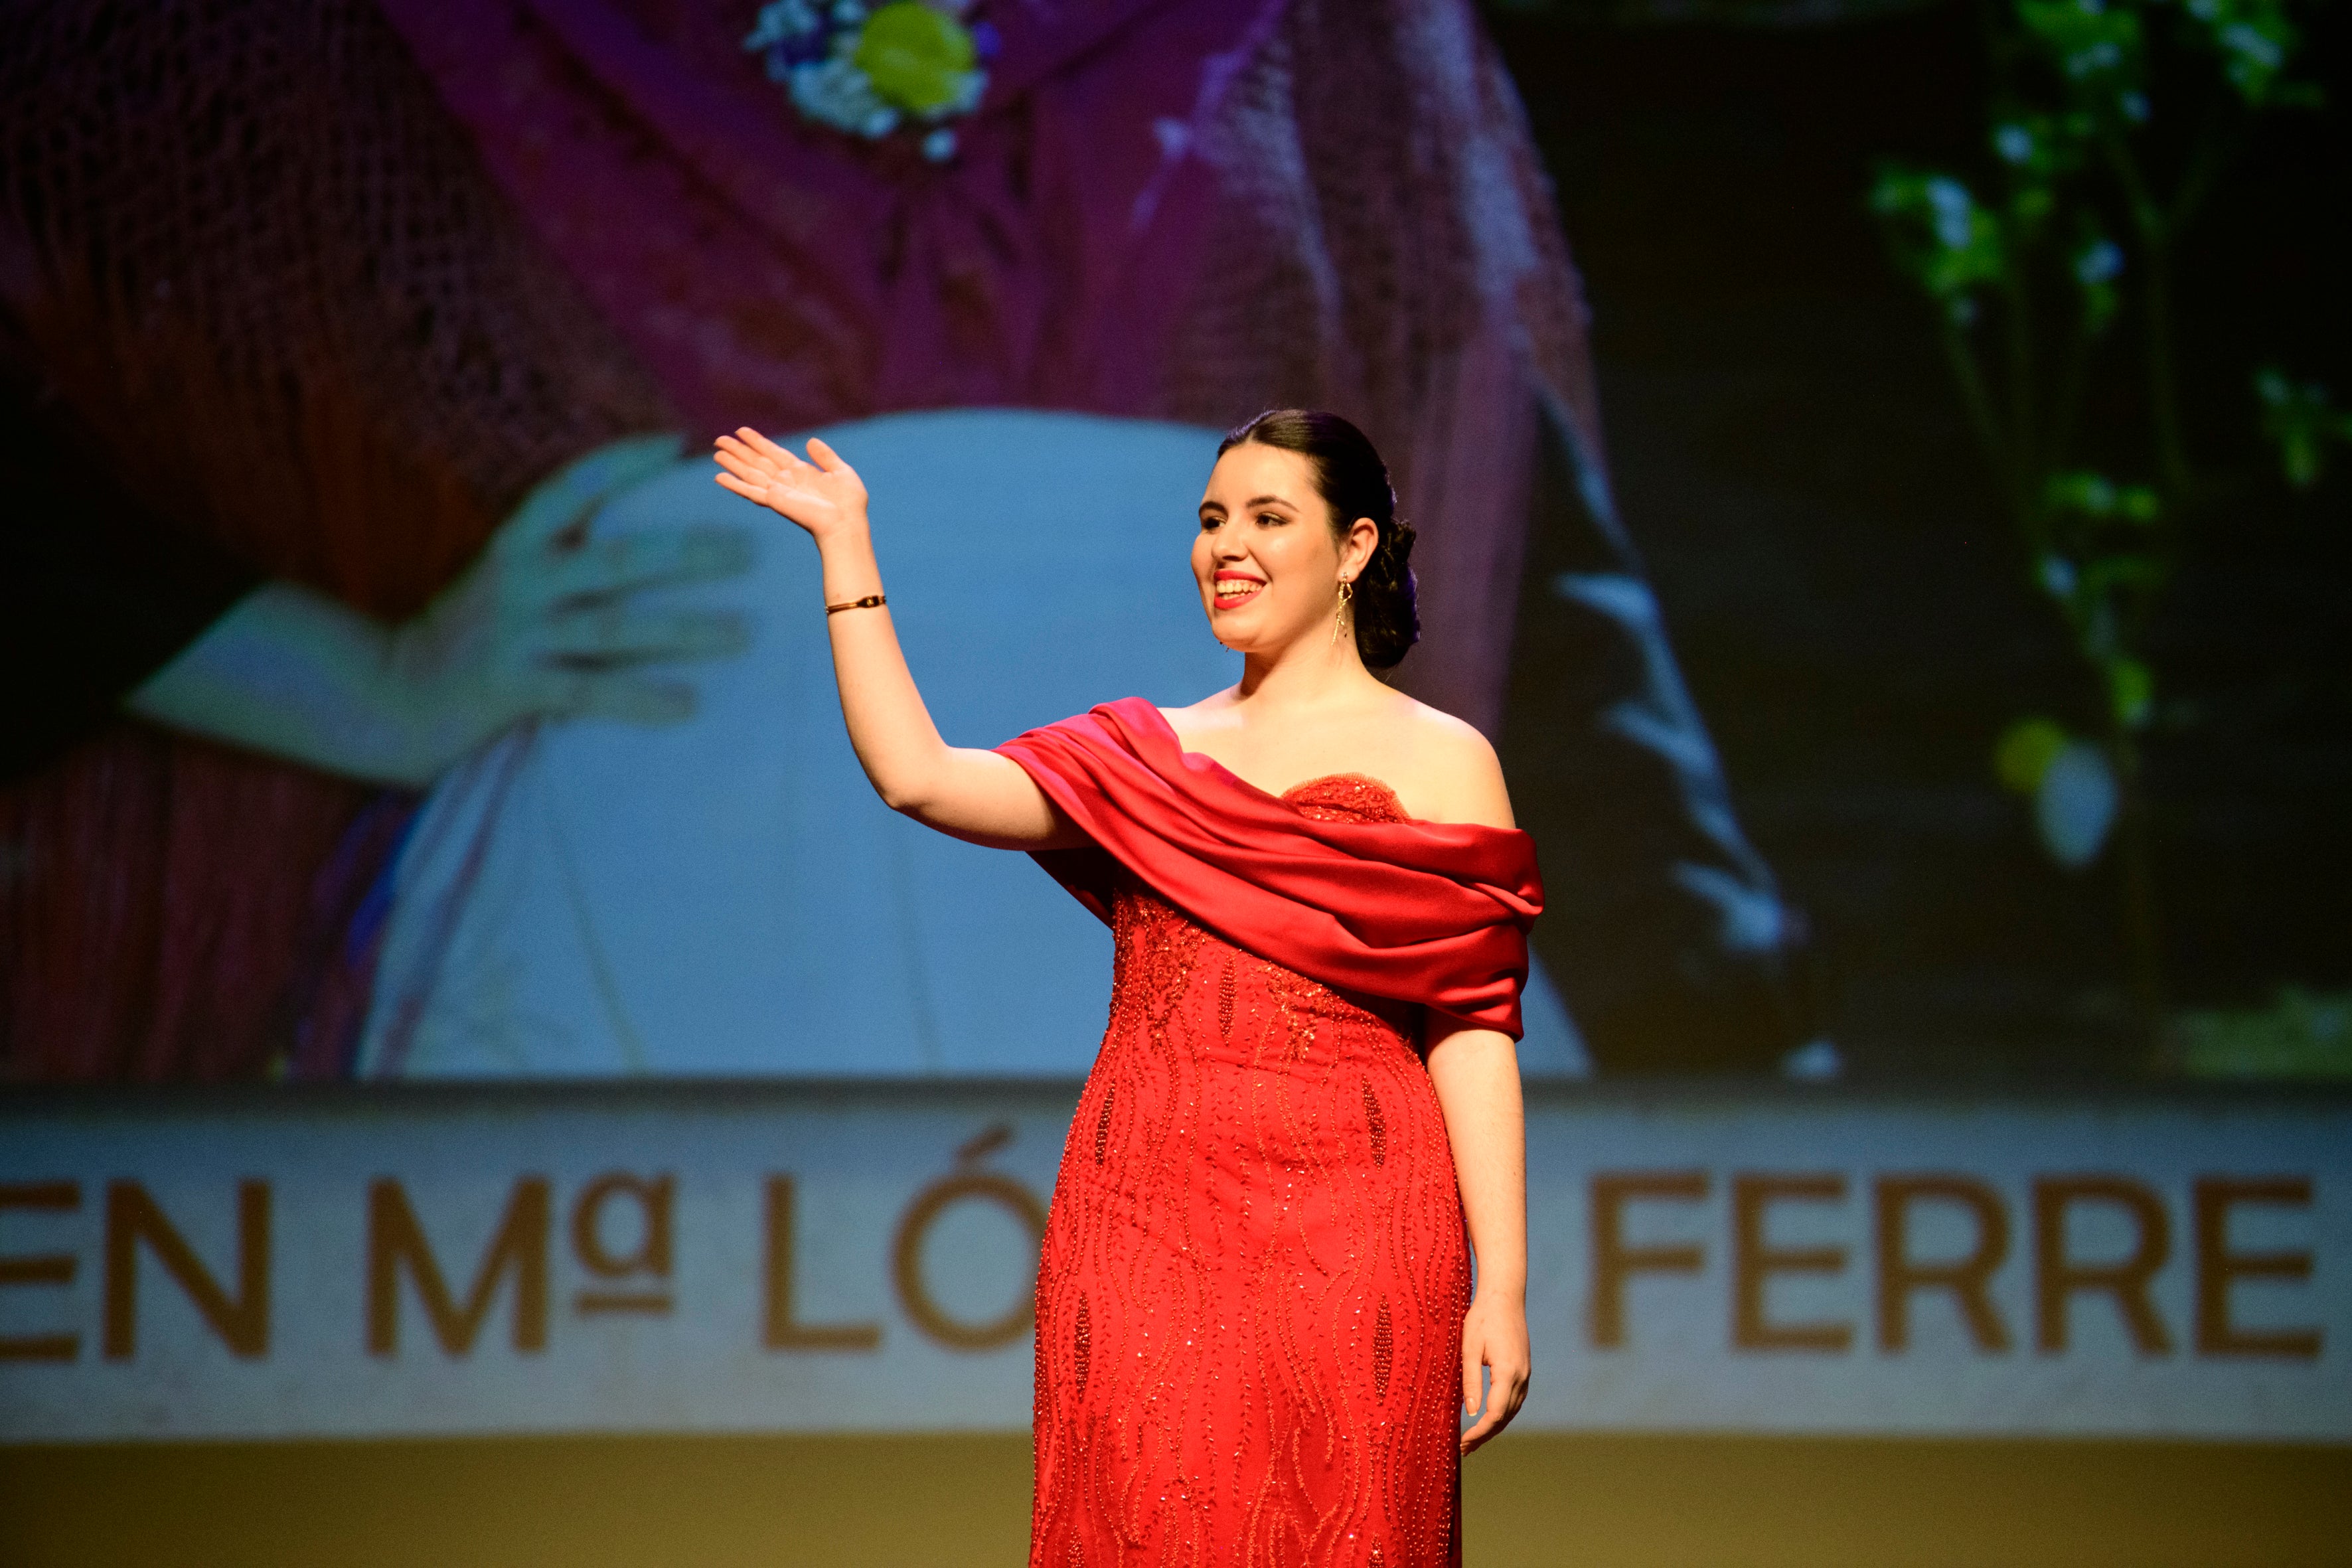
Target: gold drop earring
{"points": [[1339, 616]]}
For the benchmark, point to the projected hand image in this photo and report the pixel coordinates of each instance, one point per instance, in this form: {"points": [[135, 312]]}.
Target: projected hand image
{"points": [[543, 624]]}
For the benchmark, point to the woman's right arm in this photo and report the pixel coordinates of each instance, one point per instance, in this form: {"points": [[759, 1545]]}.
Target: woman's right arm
{"points": [[979, 795]]}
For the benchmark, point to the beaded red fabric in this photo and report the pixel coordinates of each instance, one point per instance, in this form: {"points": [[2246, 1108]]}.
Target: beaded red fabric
{"points": [[1251, 1292]]}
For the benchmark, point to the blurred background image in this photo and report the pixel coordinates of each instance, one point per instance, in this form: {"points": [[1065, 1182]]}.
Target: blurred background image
{"points": [[1882, 472]]}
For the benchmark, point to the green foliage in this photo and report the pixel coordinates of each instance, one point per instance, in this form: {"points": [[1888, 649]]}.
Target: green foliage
{"points": [[2056, 257], [2254, 39], [2097, 50], [2033, 244], [2301, 417], [2300, 1035], [2102, 566], [1942, 236], [2024, 753]]}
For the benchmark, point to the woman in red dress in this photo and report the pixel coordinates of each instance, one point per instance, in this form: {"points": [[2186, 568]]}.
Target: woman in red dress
{"points": [[1254, 1314]]}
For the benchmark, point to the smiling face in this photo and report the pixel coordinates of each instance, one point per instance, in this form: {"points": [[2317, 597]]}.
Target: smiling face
{"points": [[1265, 558]]}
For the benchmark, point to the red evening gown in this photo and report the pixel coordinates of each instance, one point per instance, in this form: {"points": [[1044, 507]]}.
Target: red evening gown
{"points": [[1251, 1291]]}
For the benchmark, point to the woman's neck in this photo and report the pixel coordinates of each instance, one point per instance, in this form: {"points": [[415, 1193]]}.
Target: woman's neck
{"points": [[1308, 673]]}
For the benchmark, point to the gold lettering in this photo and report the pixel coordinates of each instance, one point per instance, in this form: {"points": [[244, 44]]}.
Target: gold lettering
{"points": [[2217, 1266], [395, 1241], [1754, 1261], [40, 1269], [133, 1216], [2058, 1277], [654, 1201], [907, 1257], [1969, 1278], [1614, 1262], [780, 1328]]}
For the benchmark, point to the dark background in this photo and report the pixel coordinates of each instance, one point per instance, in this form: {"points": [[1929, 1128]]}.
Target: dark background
{"points": [[1852, 612]]}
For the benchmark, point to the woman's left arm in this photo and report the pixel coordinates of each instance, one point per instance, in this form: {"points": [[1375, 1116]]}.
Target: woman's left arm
{"points": [[1476, 1072]]}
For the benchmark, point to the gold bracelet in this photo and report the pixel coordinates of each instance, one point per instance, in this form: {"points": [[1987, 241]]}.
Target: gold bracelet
{"points": [[866, 603]]}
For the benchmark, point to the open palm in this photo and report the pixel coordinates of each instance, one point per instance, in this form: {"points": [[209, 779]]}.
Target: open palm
{"points": [[822, 493]]}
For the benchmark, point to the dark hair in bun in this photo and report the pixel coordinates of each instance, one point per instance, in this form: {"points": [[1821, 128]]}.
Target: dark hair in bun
{"points": [[1353, 482]]}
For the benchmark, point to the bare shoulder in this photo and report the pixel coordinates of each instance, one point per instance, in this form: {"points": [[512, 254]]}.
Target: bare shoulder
{"points": [[1208, 714], [1462, 779]]}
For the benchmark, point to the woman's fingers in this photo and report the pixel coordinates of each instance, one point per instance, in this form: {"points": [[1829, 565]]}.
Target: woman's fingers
{"points": [[756, 452], [1476, 1438], [815, 495], [1474, 1358], [785, 499], [762, 445], [1508, 1392], [1489, 1422], [755, 463], [744, 463], [748, 490], [765, 492], [761, 474]]}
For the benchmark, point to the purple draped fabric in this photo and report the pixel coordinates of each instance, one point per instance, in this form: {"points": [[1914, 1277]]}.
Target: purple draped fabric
{"points": [[1149, 216], [778, 270]]}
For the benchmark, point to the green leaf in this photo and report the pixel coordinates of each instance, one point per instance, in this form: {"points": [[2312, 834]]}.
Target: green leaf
{"points": [[1949, 241], [2112, 572], [2024, 752], [2083, 494], [2097, 50], [2301, 418], [2131, 686], [2093, 495], [2255, 41]]}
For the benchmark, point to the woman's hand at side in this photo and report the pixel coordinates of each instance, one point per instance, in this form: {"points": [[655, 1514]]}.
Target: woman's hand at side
{"points": [[979, 795], [1495, 1336], [1477, 1075]]}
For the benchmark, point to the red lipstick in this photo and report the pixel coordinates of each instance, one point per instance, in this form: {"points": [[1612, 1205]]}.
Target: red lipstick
{"points": [[1229, 602]]}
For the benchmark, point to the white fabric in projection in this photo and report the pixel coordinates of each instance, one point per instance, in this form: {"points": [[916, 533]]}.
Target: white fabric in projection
{"points": [[727, 896]]}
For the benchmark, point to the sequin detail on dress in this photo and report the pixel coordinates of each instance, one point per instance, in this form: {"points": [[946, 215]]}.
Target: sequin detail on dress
{"points": [[1260, 1281]]}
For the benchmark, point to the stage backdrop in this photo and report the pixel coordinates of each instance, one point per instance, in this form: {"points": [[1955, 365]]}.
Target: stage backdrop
{"points": [[835, 1258]]}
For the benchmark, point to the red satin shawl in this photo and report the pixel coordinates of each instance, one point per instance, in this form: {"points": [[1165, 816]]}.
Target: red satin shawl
{"points": [[1428, 912]]}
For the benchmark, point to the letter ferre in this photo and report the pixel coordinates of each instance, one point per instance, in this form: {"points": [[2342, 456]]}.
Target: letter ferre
{"points": [[2060, 1280]]}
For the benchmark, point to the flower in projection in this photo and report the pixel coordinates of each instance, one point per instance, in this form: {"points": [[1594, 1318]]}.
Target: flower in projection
{"points": [[872, 72]]}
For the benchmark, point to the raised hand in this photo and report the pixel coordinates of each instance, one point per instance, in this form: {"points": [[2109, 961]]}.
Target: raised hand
{"points": [[822, 493], [980, 796]]}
